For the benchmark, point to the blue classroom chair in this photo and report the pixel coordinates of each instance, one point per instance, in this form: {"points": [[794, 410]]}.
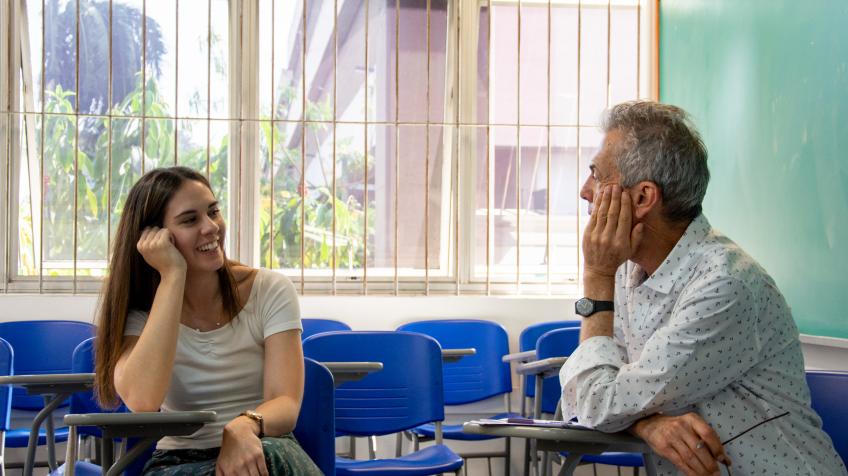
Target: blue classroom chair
{"points": [[316, 423], [312, 326], [555, 343], [406, 393], [6, 368], [827, 393], [41, 347], [527, 341], [472, 378]]}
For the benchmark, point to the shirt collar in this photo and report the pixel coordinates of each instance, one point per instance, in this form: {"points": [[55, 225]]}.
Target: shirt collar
{"points": [[675, 263]]}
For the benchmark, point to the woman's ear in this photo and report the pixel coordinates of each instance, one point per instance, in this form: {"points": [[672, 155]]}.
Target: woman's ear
{"points": [[646, 196]]}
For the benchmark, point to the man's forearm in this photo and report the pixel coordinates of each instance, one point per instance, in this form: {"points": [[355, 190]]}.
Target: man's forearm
{"points": [[599, 288]]}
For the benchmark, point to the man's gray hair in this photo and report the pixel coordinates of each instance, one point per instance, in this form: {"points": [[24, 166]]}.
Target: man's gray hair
{"points": [[661, 145]]}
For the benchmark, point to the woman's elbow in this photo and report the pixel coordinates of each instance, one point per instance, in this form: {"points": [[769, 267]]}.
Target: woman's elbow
{"points": [[138, 405], [138, 401]]}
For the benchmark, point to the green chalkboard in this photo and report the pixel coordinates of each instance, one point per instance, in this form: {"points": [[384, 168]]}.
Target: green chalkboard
{"points": [[767, 84]]}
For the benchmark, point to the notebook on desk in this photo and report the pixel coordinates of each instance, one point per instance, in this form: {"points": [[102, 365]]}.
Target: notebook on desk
{"points": [[529, 422]]}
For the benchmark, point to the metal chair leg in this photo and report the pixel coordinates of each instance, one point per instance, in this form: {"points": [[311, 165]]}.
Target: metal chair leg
{"points": [[508, 457], [372, 447]]}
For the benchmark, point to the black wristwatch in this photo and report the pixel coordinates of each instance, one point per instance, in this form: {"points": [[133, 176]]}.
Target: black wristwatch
{"points": [[586, 307]]}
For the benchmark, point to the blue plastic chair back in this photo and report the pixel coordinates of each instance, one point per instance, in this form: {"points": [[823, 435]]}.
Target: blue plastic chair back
{"points": [[555, 343], [316, 427], [474, 377], [527, 341], [7, 360], [827, 392], [407, 392], [42, 347], [84, 402], [312, 326]]}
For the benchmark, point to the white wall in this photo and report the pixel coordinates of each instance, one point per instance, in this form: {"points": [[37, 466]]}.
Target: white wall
{"points": [[382, 313]]}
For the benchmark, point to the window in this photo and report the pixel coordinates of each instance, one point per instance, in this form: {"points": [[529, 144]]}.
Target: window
{"points": [[359, 146]]}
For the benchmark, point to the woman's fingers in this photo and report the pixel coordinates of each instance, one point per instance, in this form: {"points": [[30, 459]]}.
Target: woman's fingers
{"points": [[262, 467]]}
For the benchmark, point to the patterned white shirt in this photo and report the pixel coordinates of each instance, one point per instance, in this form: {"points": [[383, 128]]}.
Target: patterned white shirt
{"points": [[708, 332]]}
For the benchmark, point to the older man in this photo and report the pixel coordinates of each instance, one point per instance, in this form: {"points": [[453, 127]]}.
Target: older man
{"points": [[685, 340]]}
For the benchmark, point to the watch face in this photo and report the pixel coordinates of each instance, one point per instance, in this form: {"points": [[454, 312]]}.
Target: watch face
{"points": [[583, 307]]}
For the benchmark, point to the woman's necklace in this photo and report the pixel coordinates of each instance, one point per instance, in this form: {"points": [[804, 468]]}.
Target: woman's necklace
{"points": [[194, 322]]}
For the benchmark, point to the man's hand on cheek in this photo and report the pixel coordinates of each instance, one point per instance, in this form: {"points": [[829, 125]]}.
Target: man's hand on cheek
{"points": [[610, 238]]}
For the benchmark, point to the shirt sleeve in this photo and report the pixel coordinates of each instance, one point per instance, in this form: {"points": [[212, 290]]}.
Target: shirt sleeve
{"points": [[135, 323], [710, 340], [279, 306]]}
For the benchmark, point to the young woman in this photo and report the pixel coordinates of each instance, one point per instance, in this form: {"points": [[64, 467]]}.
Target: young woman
{"points": [[183, 328]]}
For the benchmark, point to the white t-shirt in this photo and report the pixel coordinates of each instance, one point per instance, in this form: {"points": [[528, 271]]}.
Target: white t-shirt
{"points": [[222, 369]]}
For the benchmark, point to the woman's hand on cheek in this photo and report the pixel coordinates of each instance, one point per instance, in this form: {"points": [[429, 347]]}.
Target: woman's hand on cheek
{"points": [[241, 451], [156, 246]]}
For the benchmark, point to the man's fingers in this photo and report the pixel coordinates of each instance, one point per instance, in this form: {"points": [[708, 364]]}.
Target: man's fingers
{"points": [[711, 440], [614, 212], [688, 458], [678, 461], [603, 208], [625, 216], [702, 452]]}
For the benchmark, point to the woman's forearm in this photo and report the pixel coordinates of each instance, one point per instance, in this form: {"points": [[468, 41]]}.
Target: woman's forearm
{"points": [[143, 373]]}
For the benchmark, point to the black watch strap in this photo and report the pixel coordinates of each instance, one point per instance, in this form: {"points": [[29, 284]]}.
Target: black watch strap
{"points": [[601, 306], [586, 307]]}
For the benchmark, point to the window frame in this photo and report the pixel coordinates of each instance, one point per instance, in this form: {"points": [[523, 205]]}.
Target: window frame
{"points": [[457, 229]]}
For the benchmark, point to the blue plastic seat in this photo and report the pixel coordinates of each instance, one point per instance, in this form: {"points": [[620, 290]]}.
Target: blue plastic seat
{"points": [[472, 378], [562, 342], [827, 394], [41, 347], [406, 393], [312, 326]]}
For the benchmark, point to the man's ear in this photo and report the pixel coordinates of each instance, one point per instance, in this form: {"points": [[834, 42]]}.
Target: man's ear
{"points": [[646, 197]]}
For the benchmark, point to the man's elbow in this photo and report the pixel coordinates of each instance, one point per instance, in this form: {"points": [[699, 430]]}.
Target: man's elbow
{"points": [[598, 414]]}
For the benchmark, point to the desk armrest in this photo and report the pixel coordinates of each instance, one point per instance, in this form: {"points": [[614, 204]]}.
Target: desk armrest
{"points": [[143, 423], [149, 426], [450, 356], [520, 357], [544, 367]]}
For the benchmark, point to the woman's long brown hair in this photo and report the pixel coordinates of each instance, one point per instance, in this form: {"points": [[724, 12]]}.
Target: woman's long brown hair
{"points": [[131, 283]]}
